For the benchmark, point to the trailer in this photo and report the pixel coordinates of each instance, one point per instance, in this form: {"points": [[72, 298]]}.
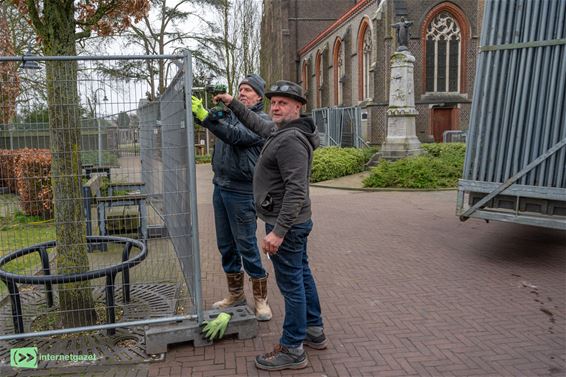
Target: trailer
{"points": [[515, 166]]}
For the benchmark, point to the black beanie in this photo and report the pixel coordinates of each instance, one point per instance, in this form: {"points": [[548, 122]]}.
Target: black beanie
{"points": [[256, 82]]}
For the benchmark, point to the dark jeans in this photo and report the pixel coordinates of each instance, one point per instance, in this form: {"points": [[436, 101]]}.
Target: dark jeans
{"points": [[296, 283], [235, 219]]}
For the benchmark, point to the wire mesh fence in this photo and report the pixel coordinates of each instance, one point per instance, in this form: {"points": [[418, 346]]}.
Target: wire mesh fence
{"points": [[340, 126], [96, 177]]}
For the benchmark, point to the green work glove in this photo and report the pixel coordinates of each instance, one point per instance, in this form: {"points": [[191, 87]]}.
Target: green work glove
{"points": [[199, 110], [216, 327]]}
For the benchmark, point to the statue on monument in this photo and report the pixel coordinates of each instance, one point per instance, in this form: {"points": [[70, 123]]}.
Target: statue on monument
{"points": [[402, 33]]}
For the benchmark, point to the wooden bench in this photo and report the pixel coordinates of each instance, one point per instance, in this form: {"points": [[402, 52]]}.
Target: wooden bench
{"points": [[115, 210]]}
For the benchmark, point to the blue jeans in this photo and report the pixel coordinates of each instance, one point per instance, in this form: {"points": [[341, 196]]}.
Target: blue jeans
{"points": [[235, 219], [296, 283]]}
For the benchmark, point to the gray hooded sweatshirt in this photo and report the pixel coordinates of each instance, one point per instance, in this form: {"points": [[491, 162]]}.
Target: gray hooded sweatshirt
{"points": [[283, 169]]}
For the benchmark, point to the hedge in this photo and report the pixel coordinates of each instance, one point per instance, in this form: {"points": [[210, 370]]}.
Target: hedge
{"points": [[8, 163], [440, 167], [333, 162], [33, 174]]}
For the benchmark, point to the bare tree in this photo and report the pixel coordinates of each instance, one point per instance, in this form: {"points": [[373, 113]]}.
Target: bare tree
{"points": [[170, 26], [240, 20], [59, 24], [249, 12]]}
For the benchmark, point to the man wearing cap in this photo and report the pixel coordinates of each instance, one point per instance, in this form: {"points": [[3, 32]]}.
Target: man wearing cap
{"points": [[236, 151], [281, 194]]}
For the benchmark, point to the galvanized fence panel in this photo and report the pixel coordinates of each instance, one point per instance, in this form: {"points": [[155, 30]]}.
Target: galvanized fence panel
{"points": [[516, 153], [176, 203], [135, 179], [454, 136], [340, 126]]}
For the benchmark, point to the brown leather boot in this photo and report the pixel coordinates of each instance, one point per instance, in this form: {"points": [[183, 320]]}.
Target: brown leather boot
{"points": [[262, 309], [236, 295]]}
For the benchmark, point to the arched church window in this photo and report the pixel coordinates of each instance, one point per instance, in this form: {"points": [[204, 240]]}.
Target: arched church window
{"points": [[364, 53], [305, 76], [443, 54], [319, 75], [366, 50], [339, 72]]}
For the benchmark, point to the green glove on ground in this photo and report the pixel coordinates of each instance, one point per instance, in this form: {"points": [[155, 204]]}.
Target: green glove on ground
{"points": [[199, 110], [216, 327]]}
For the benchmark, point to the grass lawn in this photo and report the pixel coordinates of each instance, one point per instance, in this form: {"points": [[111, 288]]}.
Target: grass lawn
{"points": [[18, 231], [18, 236]]}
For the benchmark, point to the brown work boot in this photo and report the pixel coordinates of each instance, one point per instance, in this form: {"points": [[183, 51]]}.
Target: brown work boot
{"points": [[262, 309], [236, 295]]}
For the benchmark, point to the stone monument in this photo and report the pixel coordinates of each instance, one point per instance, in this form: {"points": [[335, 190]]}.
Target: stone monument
{"points": [[401, 140]]}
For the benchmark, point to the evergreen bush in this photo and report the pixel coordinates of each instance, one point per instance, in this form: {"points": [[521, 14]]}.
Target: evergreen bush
{"points": [[334, 162], [440, 167]]}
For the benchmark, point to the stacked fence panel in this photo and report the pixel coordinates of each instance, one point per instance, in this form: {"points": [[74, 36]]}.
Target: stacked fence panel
{"points": [[519, 110]]}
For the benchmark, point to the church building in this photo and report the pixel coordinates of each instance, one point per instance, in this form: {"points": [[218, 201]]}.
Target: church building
{"points": [[340, 50]]}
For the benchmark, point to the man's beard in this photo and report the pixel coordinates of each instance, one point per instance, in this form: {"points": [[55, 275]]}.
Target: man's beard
{"points": [[282, 123]]}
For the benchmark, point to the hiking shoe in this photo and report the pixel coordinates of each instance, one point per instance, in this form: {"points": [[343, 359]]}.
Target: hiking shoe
{"points": [[280, 358], [316, 342]]}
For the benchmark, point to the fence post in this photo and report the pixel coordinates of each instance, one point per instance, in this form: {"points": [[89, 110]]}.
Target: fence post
{"points": [[192, 186]]}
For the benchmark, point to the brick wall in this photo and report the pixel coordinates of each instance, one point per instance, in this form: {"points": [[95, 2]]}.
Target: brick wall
{"points": [[288, 25]]}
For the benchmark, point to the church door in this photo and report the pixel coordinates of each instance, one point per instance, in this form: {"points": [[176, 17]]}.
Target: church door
{"points": [[442, 120]]}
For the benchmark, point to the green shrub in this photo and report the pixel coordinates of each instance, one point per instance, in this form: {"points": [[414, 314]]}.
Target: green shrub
{"points": [[334, 162], [440, 167], [205, 159], [445, 150]]}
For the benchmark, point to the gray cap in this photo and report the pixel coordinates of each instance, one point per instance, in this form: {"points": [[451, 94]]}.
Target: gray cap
{"points": [[256, 82], [288, 89]]}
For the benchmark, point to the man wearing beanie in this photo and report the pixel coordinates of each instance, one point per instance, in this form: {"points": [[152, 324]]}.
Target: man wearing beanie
{"points": [[281, 192], [236, 151]]}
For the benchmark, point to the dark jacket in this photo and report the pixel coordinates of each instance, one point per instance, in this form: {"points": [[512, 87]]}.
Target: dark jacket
{"points": [[282, 174], [236, 151]]}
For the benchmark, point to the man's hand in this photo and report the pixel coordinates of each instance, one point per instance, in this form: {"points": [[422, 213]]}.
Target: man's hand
{"points": [[216, 327], [199, 111], [224, 98], [270, 243]]}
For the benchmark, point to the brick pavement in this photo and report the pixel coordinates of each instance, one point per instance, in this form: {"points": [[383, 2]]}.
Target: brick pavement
{"points": [[406, 290]]}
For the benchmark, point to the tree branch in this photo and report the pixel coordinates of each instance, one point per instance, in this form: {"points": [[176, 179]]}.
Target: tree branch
{"points": [[35, 18]]}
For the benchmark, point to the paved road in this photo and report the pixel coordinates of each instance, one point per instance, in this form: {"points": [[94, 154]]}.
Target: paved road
{"points": [[406, 290]]}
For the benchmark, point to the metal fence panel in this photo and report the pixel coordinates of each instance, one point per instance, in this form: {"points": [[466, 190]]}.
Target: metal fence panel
{"points": [[340, 126], [175, 168], [517, 138], [150, 148], [134, 182]]}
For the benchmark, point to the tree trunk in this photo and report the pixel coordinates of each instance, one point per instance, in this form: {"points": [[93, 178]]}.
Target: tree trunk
{"points": [[75, 299]]}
